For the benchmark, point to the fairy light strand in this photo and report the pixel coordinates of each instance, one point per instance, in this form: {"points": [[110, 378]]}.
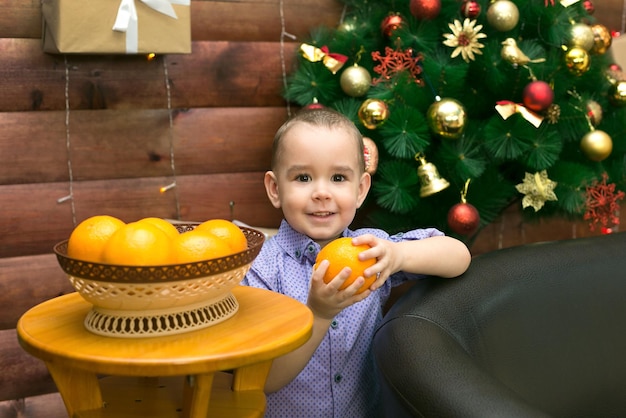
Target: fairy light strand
{"points": [[283, 34], [70, 196], [172, 185], [623, 28]]}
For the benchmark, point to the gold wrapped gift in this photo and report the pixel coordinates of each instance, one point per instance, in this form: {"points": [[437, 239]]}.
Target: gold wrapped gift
{"points": [[116, 26]]}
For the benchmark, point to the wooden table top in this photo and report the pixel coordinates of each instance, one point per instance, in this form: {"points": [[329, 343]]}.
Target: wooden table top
{"points": [[267, 325]]}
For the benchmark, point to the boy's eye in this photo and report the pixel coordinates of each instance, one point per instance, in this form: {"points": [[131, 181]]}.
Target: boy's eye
{"points": [[338, 177], [303, 178]]}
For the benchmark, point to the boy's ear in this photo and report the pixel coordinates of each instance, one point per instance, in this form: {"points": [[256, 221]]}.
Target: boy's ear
{"points": [[271, 188], [364, 188]]}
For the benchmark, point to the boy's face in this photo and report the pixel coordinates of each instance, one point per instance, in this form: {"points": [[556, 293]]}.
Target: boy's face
{"points": [[317, 181]]}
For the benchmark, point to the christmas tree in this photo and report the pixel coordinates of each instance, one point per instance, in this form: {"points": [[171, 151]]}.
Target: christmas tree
{"points": [[470, 106]]}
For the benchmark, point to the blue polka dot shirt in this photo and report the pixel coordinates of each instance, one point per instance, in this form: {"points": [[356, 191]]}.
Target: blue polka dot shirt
{"points": [[339, 380]]}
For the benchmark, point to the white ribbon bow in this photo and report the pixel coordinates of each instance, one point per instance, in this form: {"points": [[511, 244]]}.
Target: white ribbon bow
{"points": [[126, 19]]}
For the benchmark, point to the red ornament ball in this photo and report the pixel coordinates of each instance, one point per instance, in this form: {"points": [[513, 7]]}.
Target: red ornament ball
{"points": [[538, 96], [314, 106], [390, 24], [463, 219], [589, 7], [425, 9], [470, 9]]}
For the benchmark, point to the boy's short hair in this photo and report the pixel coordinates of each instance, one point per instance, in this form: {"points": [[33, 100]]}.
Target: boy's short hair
{"points": [[322, 117]]}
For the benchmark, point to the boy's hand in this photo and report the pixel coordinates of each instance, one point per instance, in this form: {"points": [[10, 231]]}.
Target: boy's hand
{"points": [[382, 250], [326, 300]]}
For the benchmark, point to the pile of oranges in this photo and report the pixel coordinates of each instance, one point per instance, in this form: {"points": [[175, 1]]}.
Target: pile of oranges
{"points": [[152, 241]]}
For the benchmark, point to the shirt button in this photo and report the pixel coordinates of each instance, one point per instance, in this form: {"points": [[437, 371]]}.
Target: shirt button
{"points": [[298, 253], [311, 248], [338, 378], [333, 324]]}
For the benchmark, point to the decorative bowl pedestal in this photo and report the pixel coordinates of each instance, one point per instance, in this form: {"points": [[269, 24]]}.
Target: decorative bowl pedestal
{"points": [[146, 301]]}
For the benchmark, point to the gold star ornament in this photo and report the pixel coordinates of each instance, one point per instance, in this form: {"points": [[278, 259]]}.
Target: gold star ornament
{"points": [[538, 189], [464, 39]]}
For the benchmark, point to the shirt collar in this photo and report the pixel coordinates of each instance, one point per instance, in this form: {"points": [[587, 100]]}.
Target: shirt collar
{"points": [[297, 245]]}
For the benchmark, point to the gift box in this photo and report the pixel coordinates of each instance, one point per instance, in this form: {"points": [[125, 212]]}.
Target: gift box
{"points": [[116, 26], [618, 50]]}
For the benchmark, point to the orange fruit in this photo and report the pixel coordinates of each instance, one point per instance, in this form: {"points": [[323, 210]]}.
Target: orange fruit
{"points": [[341, 253], [227, 231], [88, 238], [138, 244], [163, 225], [193, 246]]}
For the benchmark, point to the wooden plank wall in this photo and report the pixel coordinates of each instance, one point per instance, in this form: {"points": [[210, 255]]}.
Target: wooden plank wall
{"points": [[111, 121], [109, 117]]}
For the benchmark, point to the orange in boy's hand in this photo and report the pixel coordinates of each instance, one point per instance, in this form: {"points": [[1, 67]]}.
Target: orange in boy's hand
{"points": [[88, 239], [198, 245], [138, 244], [341, 253], [227, 231]]}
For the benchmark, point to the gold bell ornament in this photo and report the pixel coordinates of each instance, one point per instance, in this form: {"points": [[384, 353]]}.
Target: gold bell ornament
{"points": [[430, 180]]}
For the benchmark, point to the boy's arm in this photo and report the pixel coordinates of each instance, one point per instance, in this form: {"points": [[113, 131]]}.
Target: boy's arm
{"points": [[285, 368], [442, 256], [325, 301]]}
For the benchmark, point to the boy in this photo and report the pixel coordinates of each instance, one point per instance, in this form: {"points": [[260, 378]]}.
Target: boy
{"points": [[318, 179]]}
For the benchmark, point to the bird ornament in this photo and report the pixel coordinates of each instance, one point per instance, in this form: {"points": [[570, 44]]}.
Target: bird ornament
{"points": [[513, 54]]}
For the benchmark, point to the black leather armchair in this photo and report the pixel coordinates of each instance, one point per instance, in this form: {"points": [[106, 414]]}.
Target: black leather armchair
{"points": [[531, 331]]}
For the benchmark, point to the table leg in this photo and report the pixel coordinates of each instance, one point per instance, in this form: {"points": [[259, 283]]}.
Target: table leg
{"points": [[197, 394], [79, 389], [251, 377]]}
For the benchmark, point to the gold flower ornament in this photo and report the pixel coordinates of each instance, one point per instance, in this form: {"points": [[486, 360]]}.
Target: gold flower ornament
{"points": [[464, 39], [537, 189]]}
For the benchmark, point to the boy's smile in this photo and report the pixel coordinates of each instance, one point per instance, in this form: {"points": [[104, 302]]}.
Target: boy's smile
{"points": [[318, 182]]}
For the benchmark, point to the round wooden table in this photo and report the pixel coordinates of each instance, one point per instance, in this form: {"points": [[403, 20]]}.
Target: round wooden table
{"points": [[216, 371]]}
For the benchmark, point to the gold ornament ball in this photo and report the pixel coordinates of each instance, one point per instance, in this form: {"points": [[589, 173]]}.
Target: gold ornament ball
{"points": [[355, 81], [503, 15], [617, 93], [447, 118], [581, 35], [373, 113], [348, 26], [597, 145], [577, 61], [602, 39]]}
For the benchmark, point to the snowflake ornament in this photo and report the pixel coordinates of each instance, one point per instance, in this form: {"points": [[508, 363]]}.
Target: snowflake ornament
{"points": [[395, 62], [538, 189], [464, 39], [602, 204]]}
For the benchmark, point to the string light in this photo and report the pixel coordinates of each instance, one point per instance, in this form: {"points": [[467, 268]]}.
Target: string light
{"points": [[283, 34], [168, 187], [171, 137], [70, 196], [624, 18]]}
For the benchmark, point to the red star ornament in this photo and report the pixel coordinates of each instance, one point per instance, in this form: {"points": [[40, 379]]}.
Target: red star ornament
{"points": [[602, 204]]}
